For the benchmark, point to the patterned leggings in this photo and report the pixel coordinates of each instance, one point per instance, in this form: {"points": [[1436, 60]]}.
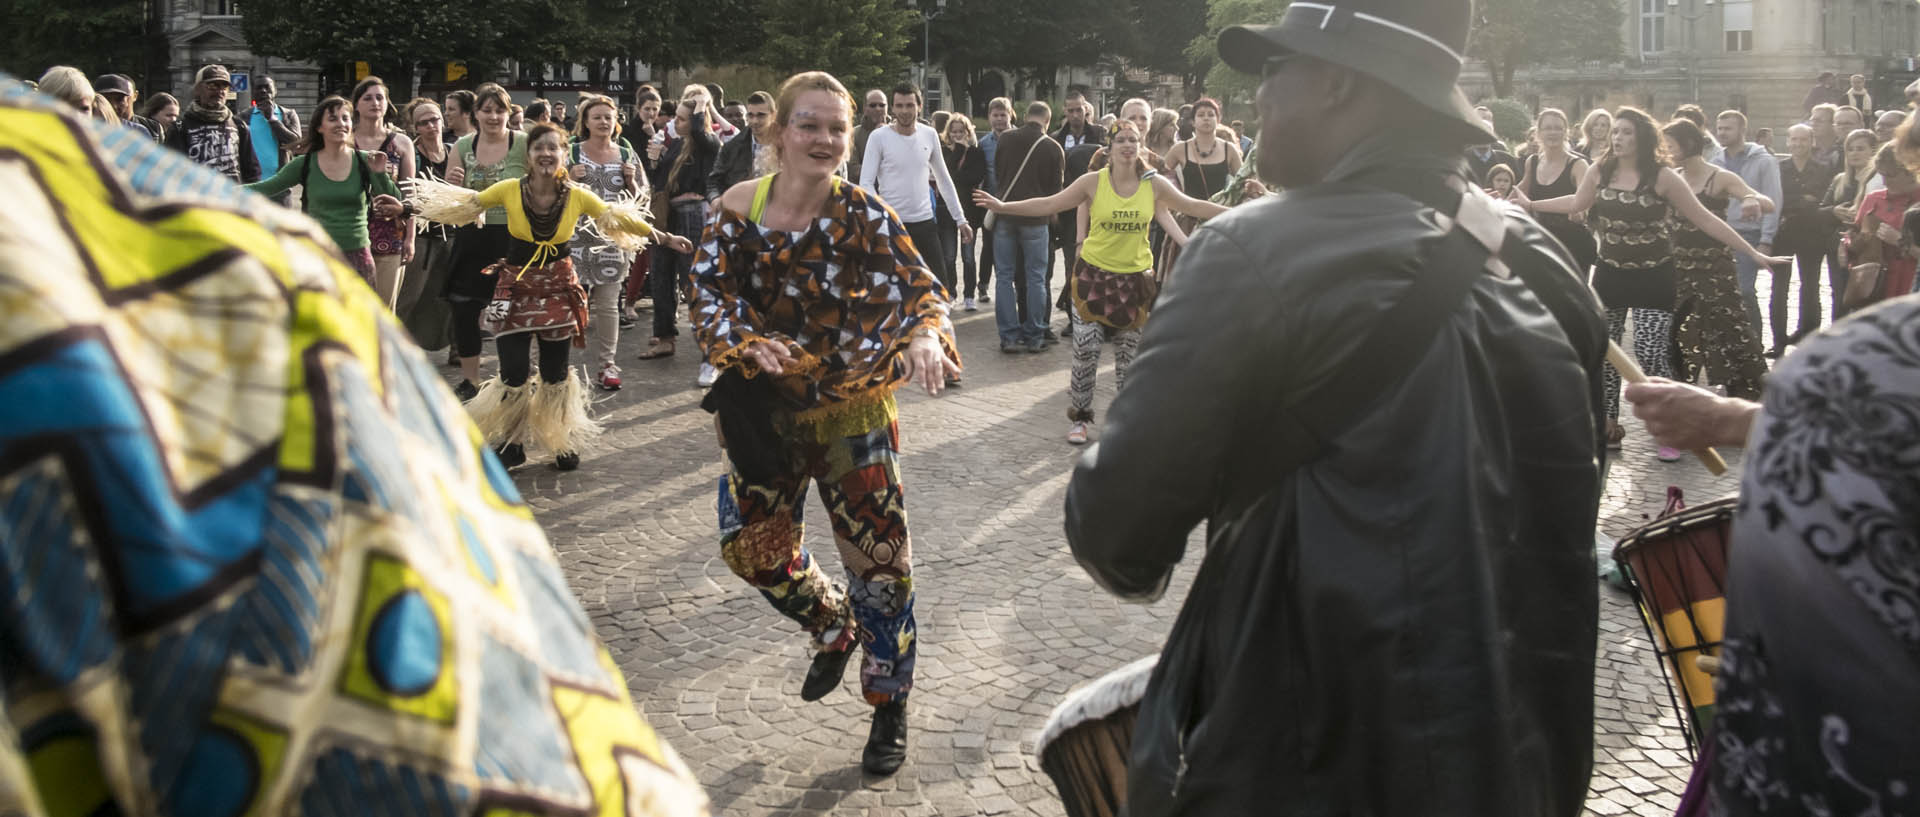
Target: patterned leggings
{"points": [[859, 481], [1087, 339], [1652, 335]]}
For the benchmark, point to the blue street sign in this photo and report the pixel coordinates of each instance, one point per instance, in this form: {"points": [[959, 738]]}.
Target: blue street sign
{"points": [[240, 82]]}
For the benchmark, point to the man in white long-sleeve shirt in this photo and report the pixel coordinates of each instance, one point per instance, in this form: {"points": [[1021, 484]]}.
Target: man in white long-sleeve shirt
{"points": [[902, 164]]}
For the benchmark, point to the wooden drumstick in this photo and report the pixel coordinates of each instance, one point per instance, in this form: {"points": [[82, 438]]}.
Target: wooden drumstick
{"points": [[1630, 372]]}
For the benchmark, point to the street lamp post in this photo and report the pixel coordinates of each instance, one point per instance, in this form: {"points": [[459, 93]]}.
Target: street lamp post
{"points": [[926, 40]]}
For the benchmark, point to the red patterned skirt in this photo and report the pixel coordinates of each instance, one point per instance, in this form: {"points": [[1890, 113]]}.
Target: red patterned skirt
{"points": [[1117, 299], [547, 299]]}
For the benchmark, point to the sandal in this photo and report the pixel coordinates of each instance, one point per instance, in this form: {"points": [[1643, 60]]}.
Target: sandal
{"points": [[658, 349]]}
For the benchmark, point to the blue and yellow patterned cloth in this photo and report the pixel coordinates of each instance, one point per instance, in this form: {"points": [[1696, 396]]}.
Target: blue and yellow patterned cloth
{"points": [[254, 558]]}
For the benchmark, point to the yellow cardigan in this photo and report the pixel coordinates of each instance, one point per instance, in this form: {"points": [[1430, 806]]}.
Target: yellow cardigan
{"points": [[580, 201]]}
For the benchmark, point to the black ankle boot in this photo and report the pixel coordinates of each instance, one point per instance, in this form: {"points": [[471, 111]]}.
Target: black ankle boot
{"points": [[825, 673], [466, 391], [568, 461], [887, 740], [511, 455]]}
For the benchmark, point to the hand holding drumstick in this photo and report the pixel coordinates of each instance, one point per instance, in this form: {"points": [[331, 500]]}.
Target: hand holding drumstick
{"points": [[1685, 416]]}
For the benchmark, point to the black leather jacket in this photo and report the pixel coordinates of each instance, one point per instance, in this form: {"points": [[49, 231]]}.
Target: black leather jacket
{"points": [[692, 178], [734, 165], [1405, 625]]}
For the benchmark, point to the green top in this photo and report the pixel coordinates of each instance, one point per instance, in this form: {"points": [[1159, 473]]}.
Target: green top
{"points": [[339, 206], [481, 177]]}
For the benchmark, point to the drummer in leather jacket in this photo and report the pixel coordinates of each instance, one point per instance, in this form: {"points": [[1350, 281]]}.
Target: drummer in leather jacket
{"points": [[1399, 618]]}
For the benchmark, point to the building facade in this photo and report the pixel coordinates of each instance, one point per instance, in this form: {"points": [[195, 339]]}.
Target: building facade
{"points": [[1756, 56], [202, 32]]}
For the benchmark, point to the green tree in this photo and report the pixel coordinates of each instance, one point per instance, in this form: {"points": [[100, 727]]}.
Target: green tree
{"points": [[862, 42], [1222, 82], [95, 36], [1512, 34], [408, 33], [1173, 25]]}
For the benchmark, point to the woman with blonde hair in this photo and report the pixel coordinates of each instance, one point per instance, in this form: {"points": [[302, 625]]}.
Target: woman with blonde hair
{"points": [[1162, 133], [103, 110], [67, 84], [599, 162], [813, 302], [1596, 128], [967, 164], [1556, 170], [1842, 202]]}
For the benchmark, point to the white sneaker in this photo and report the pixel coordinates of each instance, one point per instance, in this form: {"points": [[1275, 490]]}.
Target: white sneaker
{"points": [[972, 306], [708, 374]]}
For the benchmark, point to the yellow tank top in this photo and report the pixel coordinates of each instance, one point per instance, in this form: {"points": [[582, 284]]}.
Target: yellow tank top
{"points": [[1117, 227]]}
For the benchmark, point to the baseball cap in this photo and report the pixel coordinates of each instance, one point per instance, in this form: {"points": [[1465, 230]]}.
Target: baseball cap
{"points": [[211, 73], [109, 84]]}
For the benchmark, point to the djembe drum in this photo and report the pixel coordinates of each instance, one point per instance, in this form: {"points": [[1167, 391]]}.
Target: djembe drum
{"points": [[1676, 567], [1086, 742]]}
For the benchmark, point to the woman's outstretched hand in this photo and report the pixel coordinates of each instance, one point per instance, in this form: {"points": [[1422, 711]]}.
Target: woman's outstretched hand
{"points": [[928, 364]]}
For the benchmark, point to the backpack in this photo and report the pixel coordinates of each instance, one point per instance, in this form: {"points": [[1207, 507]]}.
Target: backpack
{"points": [[626, 153]]}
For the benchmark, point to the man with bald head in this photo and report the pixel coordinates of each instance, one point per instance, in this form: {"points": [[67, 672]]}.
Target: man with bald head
{"points": [[1884, 126], [873, 117], [1805, 233]]}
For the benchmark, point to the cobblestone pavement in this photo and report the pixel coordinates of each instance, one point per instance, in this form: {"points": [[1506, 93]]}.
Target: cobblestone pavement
{"points": [[1008, 623]]}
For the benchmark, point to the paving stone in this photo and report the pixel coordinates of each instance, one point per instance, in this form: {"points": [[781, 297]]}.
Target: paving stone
{"points": [[1009, 624]]}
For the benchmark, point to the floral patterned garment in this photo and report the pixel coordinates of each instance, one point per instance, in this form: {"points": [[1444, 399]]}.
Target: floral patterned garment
{"points": [[849, 292], [1819, 689]]}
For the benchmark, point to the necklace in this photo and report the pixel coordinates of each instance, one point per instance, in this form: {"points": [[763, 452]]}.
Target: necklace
{"points": [[1209, 151]]}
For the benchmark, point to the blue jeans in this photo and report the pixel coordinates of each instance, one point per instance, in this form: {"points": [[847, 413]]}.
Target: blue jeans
{"points": [[1749, 271], [1020, 249]]}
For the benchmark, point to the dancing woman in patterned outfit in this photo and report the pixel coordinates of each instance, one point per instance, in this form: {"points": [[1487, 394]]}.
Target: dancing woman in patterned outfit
{"points": [[808, 287], [1711, 333], [1632, 197], [536, 294], [1113, 285]]}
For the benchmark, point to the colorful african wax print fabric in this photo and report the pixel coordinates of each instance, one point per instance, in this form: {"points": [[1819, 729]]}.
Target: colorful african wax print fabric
{"points": [[858, 477], [849, 292], [238, 513], [545, 299]]}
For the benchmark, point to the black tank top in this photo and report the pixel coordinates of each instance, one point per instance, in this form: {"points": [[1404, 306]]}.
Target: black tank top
{"points": [[1202, 181]]}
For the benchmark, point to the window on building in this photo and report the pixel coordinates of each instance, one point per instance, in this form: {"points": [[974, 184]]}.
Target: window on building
{"points": [[1653, 27], [1737, 17], [221, 8]]}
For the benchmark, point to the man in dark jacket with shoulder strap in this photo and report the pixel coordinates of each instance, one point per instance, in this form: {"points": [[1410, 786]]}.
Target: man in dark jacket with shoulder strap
{"points": [[1396, 612], [1028, 164]]}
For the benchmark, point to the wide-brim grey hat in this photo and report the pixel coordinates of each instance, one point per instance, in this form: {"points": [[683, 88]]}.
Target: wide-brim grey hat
{"points": [[1416, 46]]}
